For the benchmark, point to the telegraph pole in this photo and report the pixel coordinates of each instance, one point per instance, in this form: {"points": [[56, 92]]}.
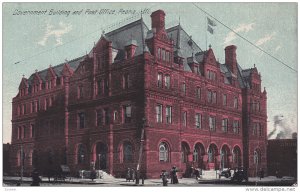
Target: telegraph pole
{"points": [[140, 153]]}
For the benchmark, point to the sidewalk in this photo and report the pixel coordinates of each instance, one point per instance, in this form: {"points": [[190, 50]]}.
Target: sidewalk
{"points": [[157, 182]]}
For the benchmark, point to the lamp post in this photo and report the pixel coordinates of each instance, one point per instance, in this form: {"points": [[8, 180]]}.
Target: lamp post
{"points": [[82, 159], [99, 159]]}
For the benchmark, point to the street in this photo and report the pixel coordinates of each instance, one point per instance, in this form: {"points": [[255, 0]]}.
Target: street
{"points": [[121, 182]]}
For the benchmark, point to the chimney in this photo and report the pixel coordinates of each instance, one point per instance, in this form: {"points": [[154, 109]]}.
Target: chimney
{"points": [[130, 48], [230, 58], [158, 21]]}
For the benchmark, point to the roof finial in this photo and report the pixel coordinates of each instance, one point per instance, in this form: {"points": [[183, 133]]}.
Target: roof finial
{"points": [[254, 65], [209, 46], [23, 75], [179, 19], [103, 31]]}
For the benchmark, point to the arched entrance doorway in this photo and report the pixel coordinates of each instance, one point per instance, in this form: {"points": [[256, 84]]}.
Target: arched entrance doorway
{"points": [[198, 154], [185, 151], [100, 156], [212, 156], [237, 157], [225, 153]]}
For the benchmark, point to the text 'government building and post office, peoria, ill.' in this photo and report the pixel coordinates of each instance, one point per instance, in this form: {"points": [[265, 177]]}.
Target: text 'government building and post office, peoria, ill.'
{"points": [[139, 87]]}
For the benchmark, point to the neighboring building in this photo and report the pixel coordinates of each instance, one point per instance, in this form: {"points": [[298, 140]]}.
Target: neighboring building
{"points": [[6, 163], [282, 157], [198, 112]]}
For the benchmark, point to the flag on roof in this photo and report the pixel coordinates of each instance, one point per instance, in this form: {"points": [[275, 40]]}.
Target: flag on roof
{"points": [[211, 22], [210, 29]]}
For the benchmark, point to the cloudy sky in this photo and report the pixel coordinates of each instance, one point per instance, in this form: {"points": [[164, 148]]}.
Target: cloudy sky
{"points": [[37, 41]]}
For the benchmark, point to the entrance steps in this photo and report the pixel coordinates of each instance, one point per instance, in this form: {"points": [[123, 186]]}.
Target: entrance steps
{"points": [[105, 175], [209, 174]]}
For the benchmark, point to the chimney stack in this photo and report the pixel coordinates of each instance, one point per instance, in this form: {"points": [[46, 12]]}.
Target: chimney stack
{"points": [[230, 58], [158, 21]]}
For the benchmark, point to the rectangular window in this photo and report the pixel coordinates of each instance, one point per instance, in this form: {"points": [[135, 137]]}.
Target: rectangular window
{"points": [[107, 116], [225, 125], [235, 102], [209, 97], [163, 55], [198, 93], [159, 80], [126, 81], [236, 129], [32, 130], [158, 113], [19, 132], [198, 121], [81, 117], [158, 53], [99, 117], [260, 130], [169, 114], [224, 100], [184, 88], [99, 87], [254, 132], [212, 123], [184, 118], [24, 131], [167, 81], [214, 97], [127, 114], [106, 87], [24, 109], [168, 56], [80, 92]]}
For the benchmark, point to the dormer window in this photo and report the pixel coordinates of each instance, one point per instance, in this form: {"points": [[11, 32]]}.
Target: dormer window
{"points": [[158, 53]]}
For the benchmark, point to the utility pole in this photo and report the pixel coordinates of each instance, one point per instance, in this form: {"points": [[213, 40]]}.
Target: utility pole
{"points": [[22, 162], [140, 153]]}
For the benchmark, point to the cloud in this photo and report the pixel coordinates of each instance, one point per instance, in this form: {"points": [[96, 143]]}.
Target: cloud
{"points": [[57, 32], [241, 28], [265, 39]]}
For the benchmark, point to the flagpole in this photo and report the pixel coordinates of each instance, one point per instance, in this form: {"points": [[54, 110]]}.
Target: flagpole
{"points": [[205, 33]]}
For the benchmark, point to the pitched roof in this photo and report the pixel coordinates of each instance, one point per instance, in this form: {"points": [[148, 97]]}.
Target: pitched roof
{"points": [[135, 31], [57, 69], [184, 44]]}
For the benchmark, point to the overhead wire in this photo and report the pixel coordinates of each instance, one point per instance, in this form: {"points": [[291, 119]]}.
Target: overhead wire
{"points": [[286, 65]]}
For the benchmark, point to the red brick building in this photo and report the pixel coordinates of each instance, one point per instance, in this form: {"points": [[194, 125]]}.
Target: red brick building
{"points": [[198, 111]]}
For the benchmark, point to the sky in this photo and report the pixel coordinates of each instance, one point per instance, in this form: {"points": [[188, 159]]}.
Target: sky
{"points": [[68, 30]]}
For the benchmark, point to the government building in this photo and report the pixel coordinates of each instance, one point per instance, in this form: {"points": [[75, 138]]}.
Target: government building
{"points": [[139, 87]]}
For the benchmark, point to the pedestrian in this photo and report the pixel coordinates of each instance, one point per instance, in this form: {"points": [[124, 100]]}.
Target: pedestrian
{"points": [[35, 178], [261, 173], [197, 173], [164, 178], [174, 175], [128, 174], [132, 174], [93, 174]]}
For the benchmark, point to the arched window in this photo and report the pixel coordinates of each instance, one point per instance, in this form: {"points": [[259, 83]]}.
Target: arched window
{"points": [[256, 157], [195, 155], [81, 154], [237, 156], [212, 151], [128, 153], [163, 152]]}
